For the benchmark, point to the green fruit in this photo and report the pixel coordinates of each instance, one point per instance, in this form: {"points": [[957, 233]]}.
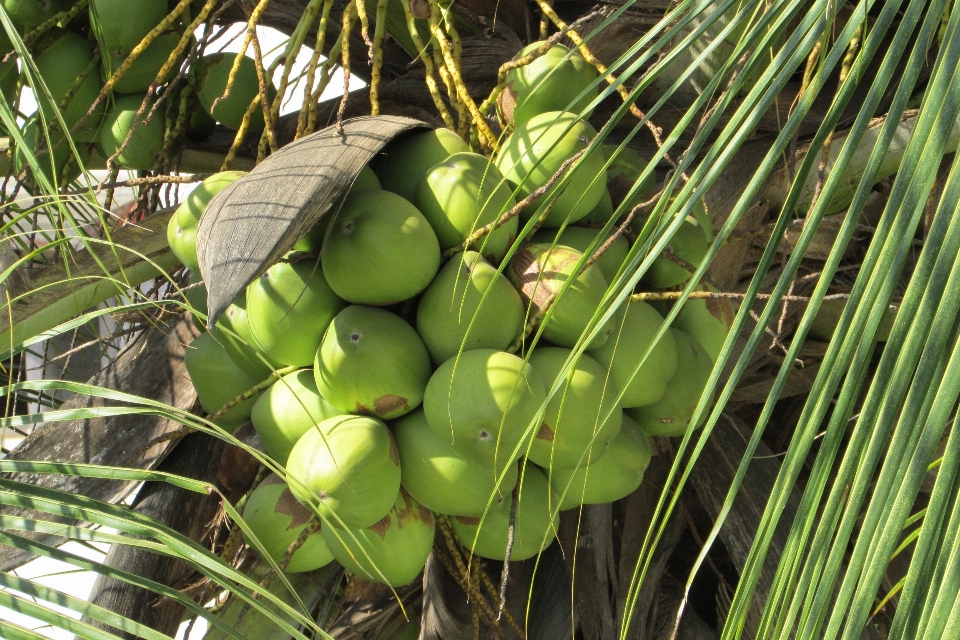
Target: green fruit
{"points": [[671, 414], [31, 13], [708, 321], [196, 297], [366, 180], [62, 155], [462, 194], [373, 363], [218, 380], [588, 241], [379, 249], [581, 418], [147, 141], [288, 310], [246, 86], [277, 519], [145, 68], [623, 172], [122, 26], [393, 551], [601, 213], [483, 404], [349, 467], [62, 57], [632, 335], [453, 308], [201, 126], [690, 244], [552, 82], [239, 342], [536, 523], [404, 164], [537, 149], [616, 475], [440, 479], [540, 272], [182, 229], [287, 410]]}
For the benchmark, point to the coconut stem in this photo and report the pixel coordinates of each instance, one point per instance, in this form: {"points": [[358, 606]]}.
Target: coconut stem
{"points": [[63, 17], [646, 296], [325, 77], [511, 538], [246, 395], [251, 32], [348, 15], [312, 69], [290, 52], [428, 66], [377, 57], [269, 133]]}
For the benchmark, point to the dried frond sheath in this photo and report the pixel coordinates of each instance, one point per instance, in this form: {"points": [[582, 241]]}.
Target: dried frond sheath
{"points": [[312, 69], [377, 57]]}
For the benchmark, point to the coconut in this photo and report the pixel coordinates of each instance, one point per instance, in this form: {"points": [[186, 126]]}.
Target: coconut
{"points": [[540, 271], [288, 310], [623, 172], [442, 480], [62, 57], [31, 13], [277, 519], [239, 342], [288, 409], [122, 29], [373, 363], [147, 141], [379, 249], [601, 213], [62, 155], [196, 297], [671, 414], [453, 313], [633, 333], [311, 242], [462, 194], [535, 151], [483, 403], [393, 551], [615, 475], [246, 86], [201, 125], [144, 70], [708, 321], [536, 523], [182, 229], [404, 164], [348, 467], [588, 241], [556, 81], [218, 380], [690, 244], [581, 418]]}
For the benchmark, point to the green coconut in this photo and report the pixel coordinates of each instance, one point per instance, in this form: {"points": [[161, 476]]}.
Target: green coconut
{"points": [[62, 57], [404, 164], [121, 26], [453, 313], [236, 337], [147, 141], [536, 523], [288, 409], [379, 249], [615, 475], [540, 271], [218, 380], [601, 212], [462, 194], [536, 150], [671, 414], [201, 125], [552, 82], [62, 155], [348, 466], [482, 403], [708, 321], [587, 241], [393, 551], [143, 72], [690, 244], [31, 13], [442, 480], [625, 168], [633, 333], [373, 363], [182, 229], [288, 310], [196, 297], [246, 86], [277, 519], [581, 418], [311, 242]]}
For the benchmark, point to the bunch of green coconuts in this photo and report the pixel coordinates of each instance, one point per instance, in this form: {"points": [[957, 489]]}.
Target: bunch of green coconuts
{"points": [[62, 55], [404, 401]]}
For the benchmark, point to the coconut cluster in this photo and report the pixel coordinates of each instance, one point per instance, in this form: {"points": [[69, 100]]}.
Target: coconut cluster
{"points": [[417, 392], [92, 48]]}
